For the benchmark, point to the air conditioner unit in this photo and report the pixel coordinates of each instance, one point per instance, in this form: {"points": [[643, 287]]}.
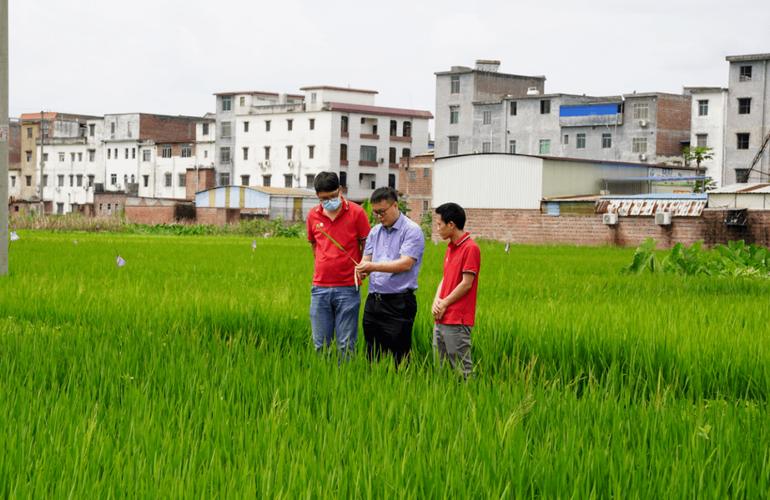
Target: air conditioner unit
{"points": [[642, 157], [291, 164], [532, 91], [610, 219], [642, 123], [663, 218]]}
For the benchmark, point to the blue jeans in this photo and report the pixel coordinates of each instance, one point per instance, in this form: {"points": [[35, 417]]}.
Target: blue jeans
{"points": [[335, 309]]}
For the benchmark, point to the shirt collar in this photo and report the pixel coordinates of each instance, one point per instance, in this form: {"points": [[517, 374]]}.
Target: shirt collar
{"points": [[462, 240], [398, 224]]}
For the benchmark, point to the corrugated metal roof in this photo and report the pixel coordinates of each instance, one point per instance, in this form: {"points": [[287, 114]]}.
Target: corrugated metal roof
{"points": [[277, 191], [378, 110], [344, 89], [649, 207], [660, 178], [657, 196]]}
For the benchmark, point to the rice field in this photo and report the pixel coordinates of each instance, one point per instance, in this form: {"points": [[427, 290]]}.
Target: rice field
{"points": [[189, 372]]}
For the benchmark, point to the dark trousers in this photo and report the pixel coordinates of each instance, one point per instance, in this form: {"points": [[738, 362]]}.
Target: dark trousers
{"points": [[388, 321]]}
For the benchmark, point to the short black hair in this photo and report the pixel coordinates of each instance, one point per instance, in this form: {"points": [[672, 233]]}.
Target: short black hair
{"points": [[326, 182], [384, 193], [452, 212]]}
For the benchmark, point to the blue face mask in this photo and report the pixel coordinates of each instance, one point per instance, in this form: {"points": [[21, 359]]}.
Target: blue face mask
{"points": [[332, 205]]}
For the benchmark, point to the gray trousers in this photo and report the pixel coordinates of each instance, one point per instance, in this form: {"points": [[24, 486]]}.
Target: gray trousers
{"points": [[453, 343]]}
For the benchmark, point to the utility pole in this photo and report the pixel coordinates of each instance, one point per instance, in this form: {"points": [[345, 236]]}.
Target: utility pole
{"points": [[4, 137]]}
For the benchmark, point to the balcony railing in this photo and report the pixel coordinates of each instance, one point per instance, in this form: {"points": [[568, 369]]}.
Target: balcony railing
{"points": [[398, 138], [370, 136]]}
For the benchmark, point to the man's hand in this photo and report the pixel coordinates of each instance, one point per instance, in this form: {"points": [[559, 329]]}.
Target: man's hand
{"points": [[438, 309], [361, 276], [365, 267]]}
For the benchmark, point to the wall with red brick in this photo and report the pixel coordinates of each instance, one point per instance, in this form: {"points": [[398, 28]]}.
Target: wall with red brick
{"points": [[150, 215], [415, 183], [217, 216], [673, 124], [535, 228], [166, 128], [206, 180]]}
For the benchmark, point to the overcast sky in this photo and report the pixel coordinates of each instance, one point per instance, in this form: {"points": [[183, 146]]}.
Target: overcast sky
{"points": [[169, 56]]}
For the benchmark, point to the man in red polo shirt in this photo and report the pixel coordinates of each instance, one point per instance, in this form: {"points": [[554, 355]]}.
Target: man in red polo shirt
{"points": [[454, 307], [337, 230]]}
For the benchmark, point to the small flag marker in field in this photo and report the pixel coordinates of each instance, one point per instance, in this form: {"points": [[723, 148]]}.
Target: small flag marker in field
{"points": [[253, 245], [507, 247], [120, 261], [74, 242], [14, 236]]}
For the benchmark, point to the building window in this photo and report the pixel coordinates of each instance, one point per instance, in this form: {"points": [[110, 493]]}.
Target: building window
{"points": [[181, 180], [205, 153], [186, 151], [205, 130], [125, 154], [545, 107], [745, 74], [313, 97], [744, 105], [606, 140], [703, 107], [392, 181], [242, 101], [454, 114], [91, 155], [133, 153], [455, 84], [514, 108], [29, 132], [743, 141], [486, 147], [245, 153], [61, 157], [289, 149], [425, 205], [289, 124], [109, 154], [406, 127], [224, 179], [344, 125], [701, 140], [343, 152], [59, 208], [146, 179], [60, 180], [226, 130], [224, 155], [165, 152], [581, 141], [287, 180], [309, 180], [113, 179], [406, 153], [91, 129], [311, 123], [227, 103], [641, 110], [112, 128], [72, 180], [545, 146], [267, 125], [28, 154], [565, 139], [245, 127], [486, 118], [13, 181], [639, 145], [512, 147], [742, 175], [245, 180], [368, 153], [453, 144], [146, 155], [266, 180], [167, 178], [45, 157], [311, 152], [426, 172], [79, 180], [28, 180], [392, 156], [91, 179], [343, 179], [394, 126], [267, 152]]}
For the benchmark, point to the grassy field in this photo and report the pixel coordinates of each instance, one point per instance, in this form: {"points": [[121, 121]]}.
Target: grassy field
{"points": [[189, 373]]}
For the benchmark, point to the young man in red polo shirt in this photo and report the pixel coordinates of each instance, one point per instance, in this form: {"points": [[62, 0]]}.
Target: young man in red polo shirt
{"points": [[454, 307], [337, 230]]}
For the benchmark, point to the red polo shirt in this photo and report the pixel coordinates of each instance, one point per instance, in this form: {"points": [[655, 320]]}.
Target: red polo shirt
{"points": [[332, 266], [461, 257]]}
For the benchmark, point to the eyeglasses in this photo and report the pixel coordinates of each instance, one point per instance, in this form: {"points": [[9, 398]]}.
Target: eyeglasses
{"points": [[380, 213], [331, 196]]}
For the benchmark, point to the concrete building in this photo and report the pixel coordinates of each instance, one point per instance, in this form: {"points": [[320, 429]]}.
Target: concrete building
{"points": [[229, 204], [415, 184], [148, 155], [283, 140], [747, 118], [708, 126], [515, 116], [14, 159]]}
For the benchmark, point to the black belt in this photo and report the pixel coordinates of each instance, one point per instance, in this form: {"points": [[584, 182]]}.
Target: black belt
{"points": [[387, 296]]}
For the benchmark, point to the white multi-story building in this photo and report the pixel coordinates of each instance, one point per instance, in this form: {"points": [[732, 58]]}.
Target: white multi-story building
{"points": [[270, 139], [71, 162], [708, 127]]}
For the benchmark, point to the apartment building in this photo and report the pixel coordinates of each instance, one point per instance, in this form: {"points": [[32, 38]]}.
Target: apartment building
{"points": [[708, 127], [283, 140]]}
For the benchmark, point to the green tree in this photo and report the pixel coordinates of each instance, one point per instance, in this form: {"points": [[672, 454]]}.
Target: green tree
{"points": [[699, 154]]}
